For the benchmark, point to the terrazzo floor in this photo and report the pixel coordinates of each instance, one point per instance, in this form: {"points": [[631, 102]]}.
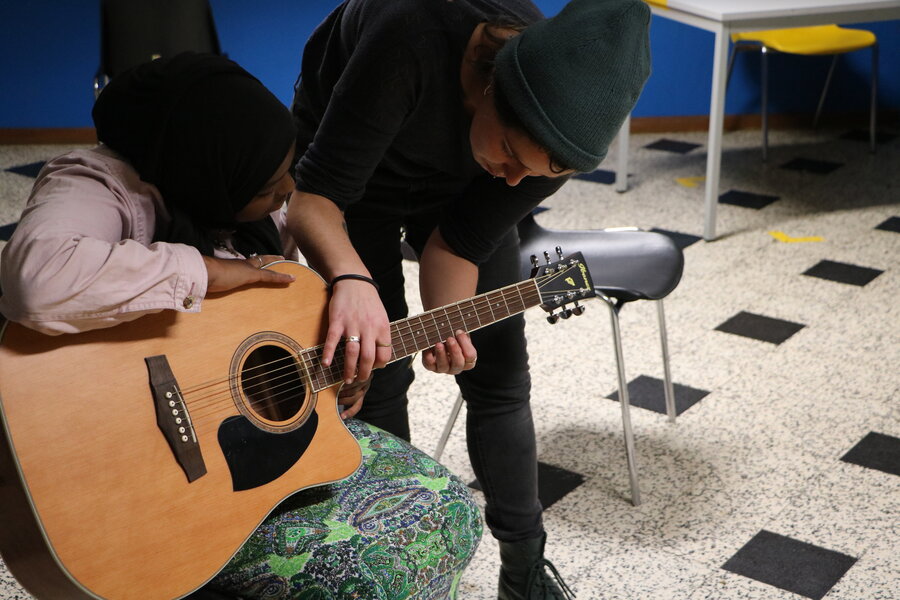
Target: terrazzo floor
{"points": [[781, 476]]}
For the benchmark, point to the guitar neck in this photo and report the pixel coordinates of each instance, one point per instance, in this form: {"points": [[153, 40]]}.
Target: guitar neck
{"points": [[423, 331]]}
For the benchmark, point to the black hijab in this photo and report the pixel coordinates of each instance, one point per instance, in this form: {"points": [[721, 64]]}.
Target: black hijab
{"points": [[208, 135]]}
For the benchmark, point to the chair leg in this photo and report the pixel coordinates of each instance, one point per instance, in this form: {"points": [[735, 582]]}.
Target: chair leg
{"points": [[734, 52], [667, 371], [764, 109], [451, 421], [873, 109], [825, 90], [625, 403]]}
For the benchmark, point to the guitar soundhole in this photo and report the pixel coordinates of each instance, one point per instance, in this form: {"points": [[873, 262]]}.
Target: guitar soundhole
{"points": [[272, 383]]}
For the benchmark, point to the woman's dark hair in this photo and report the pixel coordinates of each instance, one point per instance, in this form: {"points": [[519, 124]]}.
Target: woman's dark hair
{"points": [[208, 135], [484, 64]]}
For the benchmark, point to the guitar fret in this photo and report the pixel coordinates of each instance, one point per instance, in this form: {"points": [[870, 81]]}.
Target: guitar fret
{"points": [[418, 336], [477, 318], [462, 318], [503, 297], [395, 332], [521, 298], [451, 329], [437, 337]]}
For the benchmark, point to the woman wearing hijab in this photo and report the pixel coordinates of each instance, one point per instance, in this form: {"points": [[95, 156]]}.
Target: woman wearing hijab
{"points": [[192, 170], [184, 196]]}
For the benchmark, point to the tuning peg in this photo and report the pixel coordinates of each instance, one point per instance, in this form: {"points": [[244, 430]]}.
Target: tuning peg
{"points": [[534, 261], [578, 309], [559, 252], [565, 314], [547, 256], [552, 318]]}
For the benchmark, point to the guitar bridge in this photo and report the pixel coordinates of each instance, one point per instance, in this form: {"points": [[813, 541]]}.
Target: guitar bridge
{"points": [[173, 419]]}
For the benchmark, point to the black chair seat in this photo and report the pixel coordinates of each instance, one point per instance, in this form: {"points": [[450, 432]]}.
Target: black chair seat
{"points": [[625, 265]]}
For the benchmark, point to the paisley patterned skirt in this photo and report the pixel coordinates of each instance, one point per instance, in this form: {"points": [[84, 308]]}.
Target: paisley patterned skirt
{"points": [[401, 527]]}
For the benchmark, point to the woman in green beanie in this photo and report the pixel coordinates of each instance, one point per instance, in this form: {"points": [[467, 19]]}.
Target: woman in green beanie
{"points": [[444, 122]]}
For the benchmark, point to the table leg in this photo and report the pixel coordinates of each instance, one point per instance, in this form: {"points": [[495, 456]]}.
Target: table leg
{"points": [[714, 145], [622, 156]]}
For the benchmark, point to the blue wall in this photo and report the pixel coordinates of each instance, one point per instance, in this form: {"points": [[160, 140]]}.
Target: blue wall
{"points": [[49, 51]]}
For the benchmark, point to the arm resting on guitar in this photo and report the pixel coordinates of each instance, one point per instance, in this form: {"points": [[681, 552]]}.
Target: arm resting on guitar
{"points": [[82, 255]]}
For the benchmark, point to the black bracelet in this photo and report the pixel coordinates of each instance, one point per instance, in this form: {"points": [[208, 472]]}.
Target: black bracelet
{"points": [[354, 276]]}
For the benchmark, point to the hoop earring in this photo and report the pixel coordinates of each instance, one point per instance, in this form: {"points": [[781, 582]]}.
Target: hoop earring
{"points": [[488, 89]]}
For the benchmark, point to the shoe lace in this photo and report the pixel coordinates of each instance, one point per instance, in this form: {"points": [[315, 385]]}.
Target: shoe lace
{"points": [[540, 580]]}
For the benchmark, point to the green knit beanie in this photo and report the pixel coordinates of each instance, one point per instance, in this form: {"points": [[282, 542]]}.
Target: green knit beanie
{"points": [[572, 79]]}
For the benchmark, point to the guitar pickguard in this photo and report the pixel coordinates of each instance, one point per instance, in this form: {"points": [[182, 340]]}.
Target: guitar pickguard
{"points": [[256, 457]]}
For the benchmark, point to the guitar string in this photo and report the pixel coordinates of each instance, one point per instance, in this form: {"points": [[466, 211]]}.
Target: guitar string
{"points": [[264, 365], [402, 337], [436, 329], [293, 391], [429, 330], [287, 359], [287, 395]]}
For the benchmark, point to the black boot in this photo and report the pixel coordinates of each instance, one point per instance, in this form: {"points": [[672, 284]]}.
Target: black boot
{"points": [[526, 575]]}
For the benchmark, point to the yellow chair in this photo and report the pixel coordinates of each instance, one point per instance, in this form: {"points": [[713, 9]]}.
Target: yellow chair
{"points": [[818, 40]]}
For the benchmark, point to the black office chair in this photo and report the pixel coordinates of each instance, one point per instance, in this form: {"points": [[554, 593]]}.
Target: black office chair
{"points": [[137, 31], [626, 264]]}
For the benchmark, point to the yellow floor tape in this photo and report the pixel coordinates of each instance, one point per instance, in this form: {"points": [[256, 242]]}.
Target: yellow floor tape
{"points": [[783, 237], [690, 181]]}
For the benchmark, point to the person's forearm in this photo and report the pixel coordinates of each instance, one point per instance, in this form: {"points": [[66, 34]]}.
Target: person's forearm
{"points": [[444, 277], [319, 229]]}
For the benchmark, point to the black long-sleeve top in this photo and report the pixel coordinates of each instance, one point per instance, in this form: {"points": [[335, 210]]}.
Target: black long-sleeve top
{"points": [[380, 111]]}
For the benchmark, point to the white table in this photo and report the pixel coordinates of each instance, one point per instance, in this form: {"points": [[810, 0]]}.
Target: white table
{"points": [[724, 17]]}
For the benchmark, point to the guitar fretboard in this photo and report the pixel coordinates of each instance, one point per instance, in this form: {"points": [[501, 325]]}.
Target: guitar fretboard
{"points": [[423, 331]]}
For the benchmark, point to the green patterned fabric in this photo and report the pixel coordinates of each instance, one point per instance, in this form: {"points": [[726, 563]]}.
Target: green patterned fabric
{"points": [[401, 527]]}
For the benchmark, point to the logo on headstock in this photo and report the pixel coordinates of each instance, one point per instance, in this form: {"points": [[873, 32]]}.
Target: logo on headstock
{"points": [[570, 281], [584, 274]]}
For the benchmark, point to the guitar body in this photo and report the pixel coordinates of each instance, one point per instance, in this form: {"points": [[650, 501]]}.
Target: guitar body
{"points": [[95, 501]]}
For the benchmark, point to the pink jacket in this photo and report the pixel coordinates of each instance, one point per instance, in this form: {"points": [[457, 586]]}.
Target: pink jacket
{"points": [[82, 256]]}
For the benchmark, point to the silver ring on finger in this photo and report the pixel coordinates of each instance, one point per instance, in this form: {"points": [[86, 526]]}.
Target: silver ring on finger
{"points": [[352, 338]]}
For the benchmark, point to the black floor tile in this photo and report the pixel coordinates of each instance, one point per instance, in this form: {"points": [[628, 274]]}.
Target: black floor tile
{"points": [[649, 392], [876, 451], [553, 483], [819, 167], [598, 176], [6, 231], [843, 272], [862, 135], [672, 146], [682, 240], [760, 327], [747, 199], [29, 170], [789, 564], [892, 224]]}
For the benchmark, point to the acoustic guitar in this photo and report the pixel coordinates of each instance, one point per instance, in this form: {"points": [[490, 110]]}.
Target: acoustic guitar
{"points": [[135, 461]]}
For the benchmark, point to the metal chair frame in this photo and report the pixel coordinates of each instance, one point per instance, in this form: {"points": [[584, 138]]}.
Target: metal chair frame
{"points": [[745, 45], [614, 305]]}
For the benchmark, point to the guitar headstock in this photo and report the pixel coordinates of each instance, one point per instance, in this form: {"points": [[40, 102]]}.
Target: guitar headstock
{"points": [[563, 282]]}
